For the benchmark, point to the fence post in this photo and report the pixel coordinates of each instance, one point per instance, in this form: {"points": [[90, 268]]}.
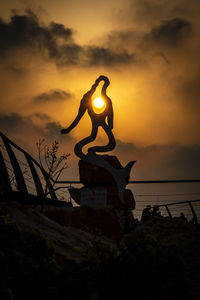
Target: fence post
{"points": [[4, 176], [16, 168], [193, 212], [169, 213], [49, 185], [36, 178]]}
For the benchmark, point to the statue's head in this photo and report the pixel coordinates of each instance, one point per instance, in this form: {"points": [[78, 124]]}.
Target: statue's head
{"points": [[97, 81], [104, 78]]}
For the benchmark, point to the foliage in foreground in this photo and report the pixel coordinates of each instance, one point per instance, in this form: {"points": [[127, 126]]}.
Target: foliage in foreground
{"points": [[138, 267]]}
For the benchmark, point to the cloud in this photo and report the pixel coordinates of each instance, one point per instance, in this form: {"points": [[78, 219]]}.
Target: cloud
{"points": [[147, 12], [25, 30], [160, 40], [52, 96], [161, 161], [189, 90], [42, 116], [104, 56], [170, 32], [15, 122], [158, 75], [153, 161], [55, 42], [60, 31], [125, 147], [52, 131], [16, 126]]}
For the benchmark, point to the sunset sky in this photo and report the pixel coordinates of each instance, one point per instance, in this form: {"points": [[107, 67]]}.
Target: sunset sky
{"points": [[52, 52]]}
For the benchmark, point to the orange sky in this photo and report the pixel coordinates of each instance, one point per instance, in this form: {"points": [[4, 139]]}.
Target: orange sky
{"points": [[149, 51]]}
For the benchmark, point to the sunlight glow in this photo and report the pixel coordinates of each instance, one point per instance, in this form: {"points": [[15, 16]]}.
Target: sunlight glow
{"points": [[98, 102]]}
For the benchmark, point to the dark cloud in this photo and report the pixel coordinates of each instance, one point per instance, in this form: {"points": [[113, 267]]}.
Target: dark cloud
{"points": [[42, 116], [52, 131], [162, 55], [125, 147], [55, 42], [18, 71], [161, 161], [153, 161], [15, 122], [189, 90], [25, 132], [21, 130], [158, 27], [60, 31], [170, 32], [52, 96], [15, 125], [26, 30], [147, 12], [53, 127], [105, 56], [126, 41], [153, 41]]}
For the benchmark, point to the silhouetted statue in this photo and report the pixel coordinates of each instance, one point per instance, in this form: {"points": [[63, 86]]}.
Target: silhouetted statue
{"points": [[105, 120]]}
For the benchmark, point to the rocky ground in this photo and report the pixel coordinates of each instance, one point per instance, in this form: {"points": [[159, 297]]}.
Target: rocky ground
{"points": [[62, 226], [181, 238], [67, 240]]}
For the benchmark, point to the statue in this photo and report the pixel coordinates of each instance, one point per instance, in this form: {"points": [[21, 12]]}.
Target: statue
{"points": [[105, 120], [97, 120]]}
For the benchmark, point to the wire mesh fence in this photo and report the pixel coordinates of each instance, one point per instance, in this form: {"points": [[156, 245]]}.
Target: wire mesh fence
{"points": [[176, 205], [61, 188], [26, 173]]}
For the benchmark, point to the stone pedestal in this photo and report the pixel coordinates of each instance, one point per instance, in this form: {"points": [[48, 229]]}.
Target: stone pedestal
{"points": [[100, 191], [112, 198], [91, 175], [98, 184]]}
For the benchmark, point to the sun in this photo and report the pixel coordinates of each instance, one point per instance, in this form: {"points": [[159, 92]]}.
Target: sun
{"points": [[98, 102]]}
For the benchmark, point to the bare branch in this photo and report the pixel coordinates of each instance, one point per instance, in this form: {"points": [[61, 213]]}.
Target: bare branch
{"points": [[50, 160]]}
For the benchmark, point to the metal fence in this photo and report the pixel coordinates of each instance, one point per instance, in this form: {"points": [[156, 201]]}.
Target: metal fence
{"points": [[21, 172]]}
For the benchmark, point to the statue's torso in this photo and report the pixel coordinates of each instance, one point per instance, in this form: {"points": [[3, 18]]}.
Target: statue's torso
{"points": [[98, 118]]}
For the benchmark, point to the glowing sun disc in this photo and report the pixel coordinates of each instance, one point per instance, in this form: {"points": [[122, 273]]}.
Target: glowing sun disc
{"points": [[98, 102]]}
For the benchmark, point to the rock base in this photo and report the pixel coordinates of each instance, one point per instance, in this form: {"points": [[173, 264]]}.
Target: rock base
{"points": [[91, 175], [112, 197], [99, 197]]}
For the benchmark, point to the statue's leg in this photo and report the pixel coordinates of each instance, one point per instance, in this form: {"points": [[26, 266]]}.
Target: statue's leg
{"points": [[111, 143], [78, 147]]}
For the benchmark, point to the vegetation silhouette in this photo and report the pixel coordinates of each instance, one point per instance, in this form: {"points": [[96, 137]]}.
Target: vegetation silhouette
{"points": [[50, 159], [28, 268]]}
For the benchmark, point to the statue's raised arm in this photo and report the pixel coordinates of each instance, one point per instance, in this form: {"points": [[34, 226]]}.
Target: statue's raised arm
{"points": [[81, 112], [82, 108]]}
